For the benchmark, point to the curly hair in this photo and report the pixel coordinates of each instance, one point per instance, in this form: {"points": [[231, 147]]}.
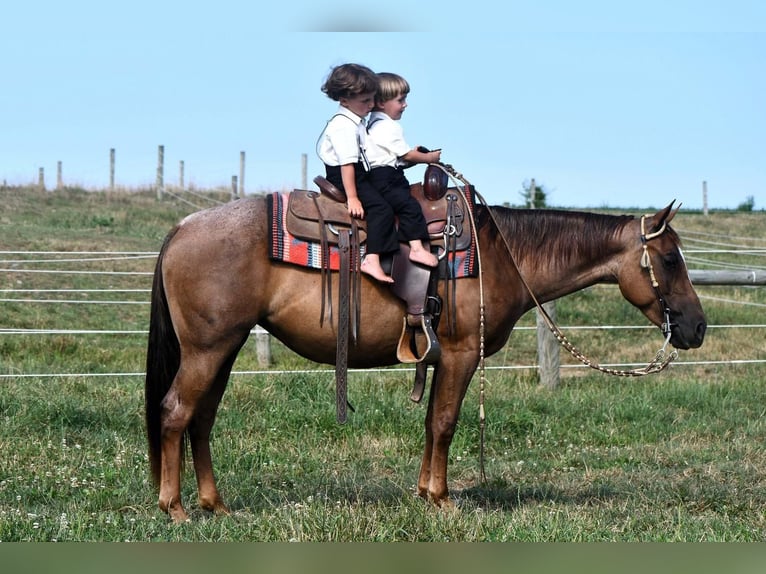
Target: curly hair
{"points": [[349, 80]]}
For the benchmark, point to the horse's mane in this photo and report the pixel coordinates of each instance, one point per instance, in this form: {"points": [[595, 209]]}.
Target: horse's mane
{"points": [[557, 234]]}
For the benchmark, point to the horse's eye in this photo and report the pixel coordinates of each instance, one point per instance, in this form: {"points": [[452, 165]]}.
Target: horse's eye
{"points": [[670, 260]]}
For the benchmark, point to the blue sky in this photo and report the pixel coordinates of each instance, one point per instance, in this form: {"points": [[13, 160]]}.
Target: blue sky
{"points": [[603, 103]]}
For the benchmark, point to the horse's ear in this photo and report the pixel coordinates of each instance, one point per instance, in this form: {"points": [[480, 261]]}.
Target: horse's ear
{"points": [[664, 216]]}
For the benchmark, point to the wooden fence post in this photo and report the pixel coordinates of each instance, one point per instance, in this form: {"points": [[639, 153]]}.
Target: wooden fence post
{"points": [[304, 171], [111, 169], [160, 171], [241, 174], [181, 175], [41, 179], [704, 197], [548, 356], [234, 187], [263, 348], [59, 176]]}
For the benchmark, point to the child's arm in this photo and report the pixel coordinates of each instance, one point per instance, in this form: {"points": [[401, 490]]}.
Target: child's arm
{"points": [[348, 177], [421, 155]]}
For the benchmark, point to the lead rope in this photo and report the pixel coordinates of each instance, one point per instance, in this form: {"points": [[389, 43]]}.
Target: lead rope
{"points": [[660, 361]]}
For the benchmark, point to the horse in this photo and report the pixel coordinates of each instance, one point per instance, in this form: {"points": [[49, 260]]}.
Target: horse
{"points": [[214, 281]]}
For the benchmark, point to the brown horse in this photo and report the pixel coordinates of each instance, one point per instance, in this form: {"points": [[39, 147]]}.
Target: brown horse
{"points": [[214, 281]]}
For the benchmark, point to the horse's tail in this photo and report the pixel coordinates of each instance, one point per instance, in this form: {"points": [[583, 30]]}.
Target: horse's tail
{"points": [[163, 358]]}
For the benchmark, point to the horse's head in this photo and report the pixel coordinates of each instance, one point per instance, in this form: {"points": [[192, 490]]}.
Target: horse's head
{"points": [[654, 278]]}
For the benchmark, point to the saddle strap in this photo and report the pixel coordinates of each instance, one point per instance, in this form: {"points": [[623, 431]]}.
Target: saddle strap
{"points": [[450, 247], [356, 279], [326, 276], [341, 352]]}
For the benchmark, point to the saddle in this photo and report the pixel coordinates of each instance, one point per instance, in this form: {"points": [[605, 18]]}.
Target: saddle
{"points": [[313, 216], [323, 217]]}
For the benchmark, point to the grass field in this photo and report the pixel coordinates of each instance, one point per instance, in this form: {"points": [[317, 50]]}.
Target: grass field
{"points": [[677, 456]]}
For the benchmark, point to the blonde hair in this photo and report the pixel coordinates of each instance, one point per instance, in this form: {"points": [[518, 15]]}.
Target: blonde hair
{"points": [[390, 86]]}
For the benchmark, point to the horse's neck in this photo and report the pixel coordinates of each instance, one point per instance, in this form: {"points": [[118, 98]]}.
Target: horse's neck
{"points": [[559, 253]]}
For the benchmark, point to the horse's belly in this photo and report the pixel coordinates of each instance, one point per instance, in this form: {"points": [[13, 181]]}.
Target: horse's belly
{"points": [[300, 326]]}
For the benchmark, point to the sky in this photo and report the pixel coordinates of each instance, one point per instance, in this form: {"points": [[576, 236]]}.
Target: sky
{"points": [[603, 103]]}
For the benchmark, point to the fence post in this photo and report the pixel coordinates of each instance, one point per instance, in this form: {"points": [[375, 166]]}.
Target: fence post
{"points": [[241, 174], [263, 348], [111, 169], [41, 179], [548, 359], [304, 171], [704, 197], [181, 175], [59, 176], [234, 187], [160, 171]]}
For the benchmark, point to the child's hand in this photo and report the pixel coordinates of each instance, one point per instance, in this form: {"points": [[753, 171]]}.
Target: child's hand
{"points": [[432, 156], [355, 208]]}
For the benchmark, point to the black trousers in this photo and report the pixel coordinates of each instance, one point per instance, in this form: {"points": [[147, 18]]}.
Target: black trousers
{"points": [[385, 196]]}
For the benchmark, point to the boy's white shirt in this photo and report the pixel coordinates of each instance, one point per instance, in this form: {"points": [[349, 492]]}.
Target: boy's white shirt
{"points": [[337, 143], [388, 136]]}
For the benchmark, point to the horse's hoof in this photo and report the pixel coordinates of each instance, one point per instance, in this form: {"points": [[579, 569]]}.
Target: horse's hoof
{"points": [[443, 502], [178, 515], [217, 507]]}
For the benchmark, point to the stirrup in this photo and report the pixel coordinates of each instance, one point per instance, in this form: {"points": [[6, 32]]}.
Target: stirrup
{"points": [[405, 352]]}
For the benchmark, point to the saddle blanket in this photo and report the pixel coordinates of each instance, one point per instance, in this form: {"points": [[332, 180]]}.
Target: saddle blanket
{"points": [[286, 248]]}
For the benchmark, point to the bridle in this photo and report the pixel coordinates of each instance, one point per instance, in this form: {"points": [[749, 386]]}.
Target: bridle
{"points": [[646, 263]]}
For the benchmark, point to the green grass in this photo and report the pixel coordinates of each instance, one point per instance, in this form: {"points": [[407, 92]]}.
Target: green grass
{"points": [[677, 456]]}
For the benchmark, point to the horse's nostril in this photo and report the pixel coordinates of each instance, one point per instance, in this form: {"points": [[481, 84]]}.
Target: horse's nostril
{"points": [[701, 328]]}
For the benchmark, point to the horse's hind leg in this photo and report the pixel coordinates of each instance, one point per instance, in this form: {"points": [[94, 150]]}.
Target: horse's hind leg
{"points": [[176, 413], [191, 387], [199, 435]]}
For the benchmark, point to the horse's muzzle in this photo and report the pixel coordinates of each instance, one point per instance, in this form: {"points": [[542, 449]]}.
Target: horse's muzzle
{"points": [[689, 334]]}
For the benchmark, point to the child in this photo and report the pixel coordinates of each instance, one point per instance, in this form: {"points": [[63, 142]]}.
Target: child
{"points": [[342, 147], [392, 156]]}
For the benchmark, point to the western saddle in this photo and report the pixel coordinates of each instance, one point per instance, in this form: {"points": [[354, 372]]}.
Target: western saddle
{"points": [[323, 217]]}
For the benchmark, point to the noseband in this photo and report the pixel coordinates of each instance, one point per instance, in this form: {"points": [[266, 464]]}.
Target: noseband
{"points": [[646, 263]]}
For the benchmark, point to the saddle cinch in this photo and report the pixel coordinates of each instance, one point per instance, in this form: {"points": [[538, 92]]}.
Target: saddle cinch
{"points": [[323, 218]]}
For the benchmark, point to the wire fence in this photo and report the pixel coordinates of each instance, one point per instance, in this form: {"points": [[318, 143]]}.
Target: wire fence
{"points": [[28, 263]]}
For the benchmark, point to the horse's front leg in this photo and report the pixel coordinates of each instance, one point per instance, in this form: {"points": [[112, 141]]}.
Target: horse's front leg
{"points": [[450, 385], [424, 478]]}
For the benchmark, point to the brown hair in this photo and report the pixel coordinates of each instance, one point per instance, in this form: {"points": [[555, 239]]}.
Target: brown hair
{"points": [[349, 80], [390, 86]]}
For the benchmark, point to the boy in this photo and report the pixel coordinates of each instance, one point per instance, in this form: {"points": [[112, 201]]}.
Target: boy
{"points": [[343, 148], [392, 156]]}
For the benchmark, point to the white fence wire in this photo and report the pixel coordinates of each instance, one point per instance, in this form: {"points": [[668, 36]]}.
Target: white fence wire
{"points": [[19, 262]]}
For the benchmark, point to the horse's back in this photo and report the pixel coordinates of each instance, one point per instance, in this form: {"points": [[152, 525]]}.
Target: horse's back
{"points": [[218, 272]]}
